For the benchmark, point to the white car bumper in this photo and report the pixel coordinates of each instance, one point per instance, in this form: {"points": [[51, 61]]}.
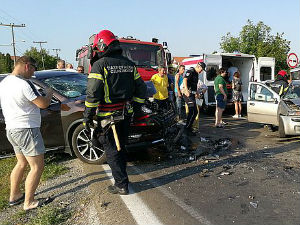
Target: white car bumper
{"points": [[291, 125]]}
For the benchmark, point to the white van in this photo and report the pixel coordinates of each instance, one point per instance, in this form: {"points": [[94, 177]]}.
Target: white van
{"points": [[250, 69]]}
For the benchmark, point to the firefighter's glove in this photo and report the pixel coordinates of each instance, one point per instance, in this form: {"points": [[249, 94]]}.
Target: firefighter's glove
{"points": [[88, 124]]}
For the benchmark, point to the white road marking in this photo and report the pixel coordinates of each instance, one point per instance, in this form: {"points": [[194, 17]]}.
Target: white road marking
{"points": [[190, 210], [140, 212]]}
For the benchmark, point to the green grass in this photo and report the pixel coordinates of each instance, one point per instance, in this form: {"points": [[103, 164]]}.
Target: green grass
{"points": [[52, 169], [48, 215], [6, 166], [15, 219], [43, 216]]}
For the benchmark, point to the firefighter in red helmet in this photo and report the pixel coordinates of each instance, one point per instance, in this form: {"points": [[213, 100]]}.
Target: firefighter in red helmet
{"points": [[280, 85], [113, 85]]}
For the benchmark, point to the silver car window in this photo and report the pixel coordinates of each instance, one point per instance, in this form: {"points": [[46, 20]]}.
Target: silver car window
{"points": [[260, 93]]}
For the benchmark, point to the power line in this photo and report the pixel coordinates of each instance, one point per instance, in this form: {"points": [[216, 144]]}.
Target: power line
{"points": [[41, 42], [12, 25], [28, 33], [10, 16], [21, 53]]}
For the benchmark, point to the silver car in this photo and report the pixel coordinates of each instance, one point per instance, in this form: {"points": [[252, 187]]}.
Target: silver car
{"points": [[265, 106]]}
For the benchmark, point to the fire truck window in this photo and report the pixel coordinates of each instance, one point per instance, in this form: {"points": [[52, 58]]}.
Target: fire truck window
{"points": [[211, 72], [265, 73], [141, 55]]}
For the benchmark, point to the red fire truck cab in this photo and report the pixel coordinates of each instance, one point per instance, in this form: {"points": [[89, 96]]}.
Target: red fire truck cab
{"points": [[147, 56]]}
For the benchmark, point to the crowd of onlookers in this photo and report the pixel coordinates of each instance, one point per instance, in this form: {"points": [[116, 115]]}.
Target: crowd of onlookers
{"points": [[61, 64], [189, 92]]}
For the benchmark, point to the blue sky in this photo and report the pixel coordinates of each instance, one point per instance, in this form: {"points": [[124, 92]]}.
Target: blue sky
{"points": [[189, 27]]}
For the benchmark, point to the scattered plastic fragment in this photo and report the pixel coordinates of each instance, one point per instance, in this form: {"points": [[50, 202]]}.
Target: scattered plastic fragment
{"points": [[254, 204], [251, 197], [192, 158], [203, 139], [225, 173]]}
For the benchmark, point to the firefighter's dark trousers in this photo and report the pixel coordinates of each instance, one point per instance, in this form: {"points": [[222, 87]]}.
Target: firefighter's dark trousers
{"points": [[191, 102], [117, 159]]}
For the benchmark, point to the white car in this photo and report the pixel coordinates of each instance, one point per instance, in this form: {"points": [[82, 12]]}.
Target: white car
{"points": [[265, 106]]}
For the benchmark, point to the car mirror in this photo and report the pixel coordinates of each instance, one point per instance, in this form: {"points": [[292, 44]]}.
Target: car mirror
{"points": [[274, 100]]}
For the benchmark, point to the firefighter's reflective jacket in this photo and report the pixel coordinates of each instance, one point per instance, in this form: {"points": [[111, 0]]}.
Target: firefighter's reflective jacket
{"points": [[113, 80], [280, 86]]}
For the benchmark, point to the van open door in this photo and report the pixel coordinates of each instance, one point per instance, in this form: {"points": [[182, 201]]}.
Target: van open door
{"points": [[266, 68], [213, 63], [211, 59]]}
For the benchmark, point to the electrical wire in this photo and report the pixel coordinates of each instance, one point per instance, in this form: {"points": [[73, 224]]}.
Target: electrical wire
{"points": [[29, 35], [21, 53]]}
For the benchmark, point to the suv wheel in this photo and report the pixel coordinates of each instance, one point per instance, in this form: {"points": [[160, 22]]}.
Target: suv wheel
{"points": [[84, 149]]}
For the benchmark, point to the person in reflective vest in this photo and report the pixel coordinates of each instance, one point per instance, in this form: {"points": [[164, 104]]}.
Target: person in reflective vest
{"points": [[113, 85], [280, 85]]}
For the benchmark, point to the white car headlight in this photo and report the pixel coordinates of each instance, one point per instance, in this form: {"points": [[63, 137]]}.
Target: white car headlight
{"points": [[294, 113]]}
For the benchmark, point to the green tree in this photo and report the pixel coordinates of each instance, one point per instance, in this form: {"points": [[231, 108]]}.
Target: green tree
{"points": [[6, 63], [9, 63], [49, 60], [256, 39]]}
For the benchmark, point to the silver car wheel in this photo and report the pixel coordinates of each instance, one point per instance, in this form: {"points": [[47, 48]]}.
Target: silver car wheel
{"points": [[86, 148]]}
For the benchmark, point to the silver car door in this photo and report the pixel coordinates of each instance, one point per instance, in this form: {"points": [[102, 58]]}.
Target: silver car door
{"points": [[262, 104]]}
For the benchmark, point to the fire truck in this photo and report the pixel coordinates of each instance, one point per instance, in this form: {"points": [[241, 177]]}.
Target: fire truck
{"points": [[147, 56]]}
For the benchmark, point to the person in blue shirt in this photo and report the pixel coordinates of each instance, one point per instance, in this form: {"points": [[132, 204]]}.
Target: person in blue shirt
{"points": [[178, 94]]}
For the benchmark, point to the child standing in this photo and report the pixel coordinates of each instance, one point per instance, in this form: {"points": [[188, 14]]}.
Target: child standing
{"points": [[237, 94]]}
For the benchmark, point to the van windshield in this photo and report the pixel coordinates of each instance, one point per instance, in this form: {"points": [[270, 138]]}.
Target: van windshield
{"points": [[143, 55]]}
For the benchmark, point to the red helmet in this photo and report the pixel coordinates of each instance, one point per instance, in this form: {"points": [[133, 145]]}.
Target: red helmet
{"points": [[282, 73], [103, 39]]}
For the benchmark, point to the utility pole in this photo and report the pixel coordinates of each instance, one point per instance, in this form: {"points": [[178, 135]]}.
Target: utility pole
{"points": [[56, 50], [12, 25], [41, 42]]}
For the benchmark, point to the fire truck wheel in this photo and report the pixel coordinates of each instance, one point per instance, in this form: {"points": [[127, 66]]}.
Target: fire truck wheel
{"points": [[84, 149]]}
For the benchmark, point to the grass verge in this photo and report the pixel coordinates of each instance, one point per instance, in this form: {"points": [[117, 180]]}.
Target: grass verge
{"points": [[43, 216], [53, 168]]}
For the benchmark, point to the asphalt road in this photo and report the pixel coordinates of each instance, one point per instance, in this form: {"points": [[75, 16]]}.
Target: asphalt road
{"points": [[251, 179]]}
